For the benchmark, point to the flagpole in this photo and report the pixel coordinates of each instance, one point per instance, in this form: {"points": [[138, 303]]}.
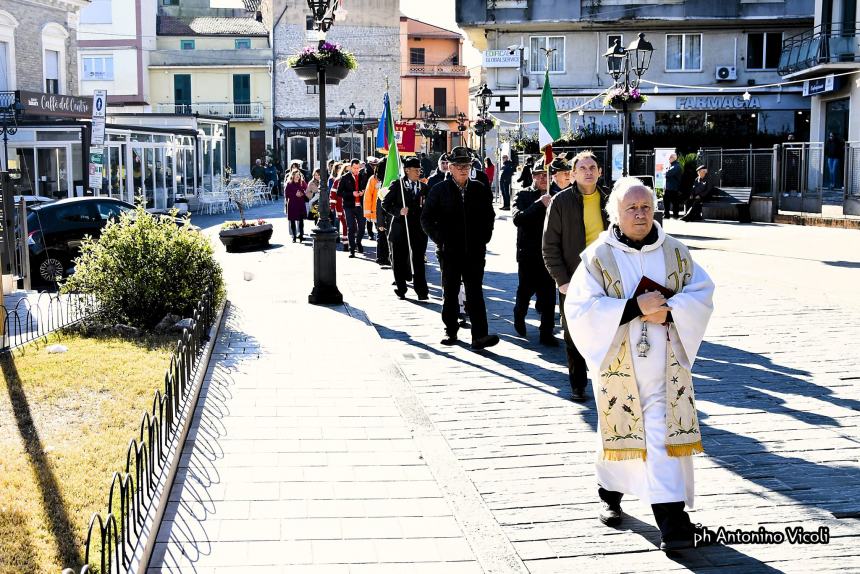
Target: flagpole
{"points": [[403, 180]]}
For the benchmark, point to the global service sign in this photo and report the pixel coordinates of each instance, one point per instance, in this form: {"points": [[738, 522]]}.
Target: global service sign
{"points": [[500, 59]]}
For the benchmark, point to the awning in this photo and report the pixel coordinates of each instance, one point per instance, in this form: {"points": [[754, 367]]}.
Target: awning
{"points": [[311, 126]]}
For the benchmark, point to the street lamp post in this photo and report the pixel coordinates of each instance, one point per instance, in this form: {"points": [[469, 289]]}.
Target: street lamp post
{"points": [[431, 121], [361, 117], [461, 127], [9, 112], [482, 100], [620, 62], [325, 291]]}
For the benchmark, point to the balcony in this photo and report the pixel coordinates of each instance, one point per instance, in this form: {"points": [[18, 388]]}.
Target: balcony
{"points": [[829, 49], [185, 58], [430, 70], [252, 112]]}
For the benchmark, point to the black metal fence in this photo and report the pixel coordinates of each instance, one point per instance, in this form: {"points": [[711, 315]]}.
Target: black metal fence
{"points": [[31, 318], [748, 167], [112, 536]]}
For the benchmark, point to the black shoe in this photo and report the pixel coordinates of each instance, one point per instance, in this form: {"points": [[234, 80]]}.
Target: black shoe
{"points": [[301, 238], [400, 294], [351, 253], [294, 239], [519, 324], [485, 341], [424, 297], [449, 339], [360, 248], [548, 340], [579, 395], [610, 514]]}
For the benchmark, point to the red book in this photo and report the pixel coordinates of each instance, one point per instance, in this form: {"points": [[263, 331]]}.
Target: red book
{"points": [[647, 284]]}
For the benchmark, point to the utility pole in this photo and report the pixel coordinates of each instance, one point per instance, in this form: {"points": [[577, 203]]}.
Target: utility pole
{"points": [[521, 49]]}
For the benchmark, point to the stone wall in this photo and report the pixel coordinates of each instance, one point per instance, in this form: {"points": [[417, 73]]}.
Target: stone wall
{"points": [[32, 18]]}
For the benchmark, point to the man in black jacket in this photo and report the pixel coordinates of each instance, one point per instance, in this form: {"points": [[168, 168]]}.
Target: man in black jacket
{"points": [[439, 173], [576, 216], [458, 216], [702, 188], [351, 191], [505, 176], [672, 197], [406, 218], [529, 212]]}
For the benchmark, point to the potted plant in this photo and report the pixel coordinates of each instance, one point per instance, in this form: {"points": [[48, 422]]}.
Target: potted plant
{"points": [[617, 97], [483, 126], [244, 234], [337, 62]]}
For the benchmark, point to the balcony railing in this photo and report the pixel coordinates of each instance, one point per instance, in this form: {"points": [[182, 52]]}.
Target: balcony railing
{"points": [[430, 70], [252, 112], [833, 44]]}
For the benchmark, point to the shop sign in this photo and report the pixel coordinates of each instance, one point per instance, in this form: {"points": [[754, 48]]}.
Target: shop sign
{"points": [[500, 59], [96, 168], [56, 105], [819, 85], [716, 103]]}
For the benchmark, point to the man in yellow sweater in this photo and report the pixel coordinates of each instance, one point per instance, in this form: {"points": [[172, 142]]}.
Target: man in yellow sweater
{"points": [[576, 216]]}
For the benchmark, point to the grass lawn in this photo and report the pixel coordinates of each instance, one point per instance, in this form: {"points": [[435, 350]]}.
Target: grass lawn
{"points": [[65, 423]]}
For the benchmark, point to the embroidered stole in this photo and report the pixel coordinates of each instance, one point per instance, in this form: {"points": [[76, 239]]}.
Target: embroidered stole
{"points": [[622, 426]]}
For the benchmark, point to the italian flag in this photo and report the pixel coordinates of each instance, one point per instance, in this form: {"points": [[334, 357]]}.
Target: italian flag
{"points": [[548, 129]]}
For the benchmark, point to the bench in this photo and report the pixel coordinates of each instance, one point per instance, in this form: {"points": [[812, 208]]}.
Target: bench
{"points": [[722, 198]]}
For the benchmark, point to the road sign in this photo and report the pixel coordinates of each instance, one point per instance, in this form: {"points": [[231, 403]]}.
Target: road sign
{"points": [[99, 107]]}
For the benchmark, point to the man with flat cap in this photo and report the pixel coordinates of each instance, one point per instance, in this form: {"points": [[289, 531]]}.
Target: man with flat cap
{"points": [[576, 216], [702, 188], [403, 204], [458, 216], [529, 212]]}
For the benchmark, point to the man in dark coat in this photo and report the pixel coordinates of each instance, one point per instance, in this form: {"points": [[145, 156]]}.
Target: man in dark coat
{"points": [[576, 216], [426, 165], [702, 188], [672, 197], [439, 173], [458, 216], [351, 191], [506, 174], [529, 211], [408, 241]]}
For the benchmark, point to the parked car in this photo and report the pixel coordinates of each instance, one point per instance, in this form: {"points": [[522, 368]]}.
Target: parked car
{"points": [[33, 200], [56, 231]]}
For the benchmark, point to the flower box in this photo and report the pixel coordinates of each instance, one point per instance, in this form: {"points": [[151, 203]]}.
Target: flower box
{"points": [[337, 61], [333, 74]]}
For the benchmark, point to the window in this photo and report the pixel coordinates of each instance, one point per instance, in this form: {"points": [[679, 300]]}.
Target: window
{"points": [[611, 39], [416, 56], [763, 50], [97, 12], [243, 43], [683, 52], [186, 44], [170, 2], [182, 93], [52, 72], [110, 210], [97, 68], [7, 51], [538, 46], [440, 102]]}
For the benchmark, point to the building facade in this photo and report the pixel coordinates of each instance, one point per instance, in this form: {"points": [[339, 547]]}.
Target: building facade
{"points": [[39, 45], [115, 39], [706, 56], [371, 31], [432, 76], [220, 66]]}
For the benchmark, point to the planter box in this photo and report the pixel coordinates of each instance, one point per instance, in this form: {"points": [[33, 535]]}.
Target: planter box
{"points": [[333, 74], [246, 237], [760, 209]]}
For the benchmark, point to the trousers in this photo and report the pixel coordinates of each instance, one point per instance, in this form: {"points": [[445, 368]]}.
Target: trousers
{"points": [[354, 225], [400, 263], [576, 369], [468, 270], [535, 280]]}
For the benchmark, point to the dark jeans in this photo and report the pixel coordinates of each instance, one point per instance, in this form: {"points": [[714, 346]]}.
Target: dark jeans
{"points": [[671, 200], [456, 269], [382, 250], [354, 225], [576, 369], [403, 271], [695, 211], [297, 228], [534, 279], [505, 187], [370, 229]]}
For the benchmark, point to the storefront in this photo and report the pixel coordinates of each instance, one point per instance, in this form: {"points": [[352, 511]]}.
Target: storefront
{"points": [[298, 140], [156, 157]]}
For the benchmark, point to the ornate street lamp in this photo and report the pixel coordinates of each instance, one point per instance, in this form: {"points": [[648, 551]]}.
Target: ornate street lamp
{"points": [[10, 109], [461, 127], [619, 63], [325, 291], [343, 116], [484, 124], [429, 129]]}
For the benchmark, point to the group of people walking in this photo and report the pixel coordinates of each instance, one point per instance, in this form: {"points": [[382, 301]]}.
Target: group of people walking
{"points": [[634, 305]]}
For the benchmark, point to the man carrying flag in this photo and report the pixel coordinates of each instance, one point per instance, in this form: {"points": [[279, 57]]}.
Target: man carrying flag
{"points": [[403, 203]]}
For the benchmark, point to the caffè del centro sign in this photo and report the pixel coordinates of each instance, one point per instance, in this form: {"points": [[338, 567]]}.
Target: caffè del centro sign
{"points": [[55, 105]]}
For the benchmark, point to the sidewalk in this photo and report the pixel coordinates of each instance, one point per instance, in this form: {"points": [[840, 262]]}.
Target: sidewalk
{"points": [[393, 454], [307, 452]]}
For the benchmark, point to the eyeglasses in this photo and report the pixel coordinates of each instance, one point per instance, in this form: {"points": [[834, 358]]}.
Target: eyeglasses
{"points": [[460, 166]]}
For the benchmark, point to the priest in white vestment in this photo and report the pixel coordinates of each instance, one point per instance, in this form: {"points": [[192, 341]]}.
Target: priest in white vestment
{"points": [[642, 342]]}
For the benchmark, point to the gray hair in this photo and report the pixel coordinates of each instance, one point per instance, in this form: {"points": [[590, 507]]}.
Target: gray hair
{"points": [[620, 190]]}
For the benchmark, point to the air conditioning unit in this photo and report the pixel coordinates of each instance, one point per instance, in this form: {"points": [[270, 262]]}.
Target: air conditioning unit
{"points": [[726, 73]]}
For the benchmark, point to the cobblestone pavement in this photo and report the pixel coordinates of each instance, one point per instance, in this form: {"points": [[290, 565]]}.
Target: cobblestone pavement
{"points": [[483, 453]]}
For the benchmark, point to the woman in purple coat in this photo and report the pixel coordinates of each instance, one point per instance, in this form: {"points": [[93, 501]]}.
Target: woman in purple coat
{"points": [[295, 197]]}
